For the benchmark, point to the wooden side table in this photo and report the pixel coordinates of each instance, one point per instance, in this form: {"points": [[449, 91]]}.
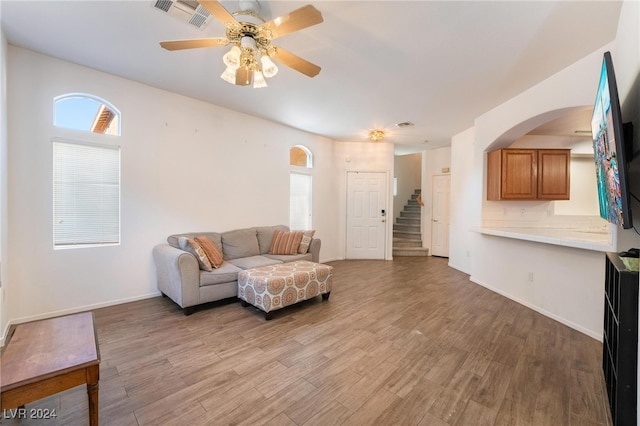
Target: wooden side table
{"points": [[49, 356]]}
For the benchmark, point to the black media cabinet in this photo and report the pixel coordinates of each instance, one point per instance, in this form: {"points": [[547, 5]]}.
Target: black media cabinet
{"points": [[620, 340]]}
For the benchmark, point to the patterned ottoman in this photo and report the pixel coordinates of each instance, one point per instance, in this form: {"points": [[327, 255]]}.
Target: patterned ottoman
{"points": [[273, 287]]}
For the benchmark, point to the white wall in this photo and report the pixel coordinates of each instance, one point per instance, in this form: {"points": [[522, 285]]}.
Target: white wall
{"points": [[408, 171], [583, 188], [463, 201], [568, 283], [434, 162], [186, 166], [4, 253]]}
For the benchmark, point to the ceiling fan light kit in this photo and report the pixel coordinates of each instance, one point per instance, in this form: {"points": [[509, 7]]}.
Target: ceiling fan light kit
{"points": [[269, 69], [229, 75], [249, 59], [258, 80], [232, 58]]}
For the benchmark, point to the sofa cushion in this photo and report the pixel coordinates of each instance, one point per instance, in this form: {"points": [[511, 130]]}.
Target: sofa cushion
{"points": [[254, 262], [240, 243], [290, 257], [215, 237], [190, 245], [226, 273], [265, 236], [211, 250], [306, 241], [285, 242]]}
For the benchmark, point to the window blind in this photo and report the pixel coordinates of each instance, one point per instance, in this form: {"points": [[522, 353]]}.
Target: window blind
{"points": [[300, 202], [86, 194]]}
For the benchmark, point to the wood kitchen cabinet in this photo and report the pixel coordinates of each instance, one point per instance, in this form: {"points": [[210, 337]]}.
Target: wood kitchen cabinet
{"points": [[528, 174]]}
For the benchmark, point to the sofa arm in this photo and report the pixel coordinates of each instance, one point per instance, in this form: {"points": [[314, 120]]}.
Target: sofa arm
{"points": [[178, 275], [314, 249]]}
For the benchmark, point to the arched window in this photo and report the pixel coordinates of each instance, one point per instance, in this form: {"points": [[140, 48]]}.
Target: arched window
{"points": [[300, 156], [86, 174], [79, 111]]}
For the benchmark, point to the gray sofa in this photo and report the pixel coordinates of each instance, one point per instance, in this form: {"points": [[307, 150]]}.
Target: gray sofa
{"points": [[181, 279]]}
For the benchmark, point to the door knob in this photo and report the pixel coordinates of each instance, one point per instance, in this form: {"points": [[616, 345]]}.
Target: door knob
{"points": [[434, 220]]}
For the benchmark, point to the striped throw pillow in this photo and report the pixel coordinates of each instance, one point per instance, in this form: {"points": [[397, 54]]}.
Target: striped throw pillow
{"points": [[211, 250], [285, 242], [194, 248]]}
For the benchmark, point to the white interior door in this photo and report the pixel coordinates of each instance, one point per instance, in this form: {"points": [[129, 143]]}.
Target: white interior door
{"points": [[440, 215], [366, 215]]}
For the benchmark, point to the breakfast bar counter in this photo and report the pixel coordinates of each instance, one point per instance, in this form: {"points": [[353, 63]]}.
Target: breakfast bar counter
{"points": [[587, 240]]}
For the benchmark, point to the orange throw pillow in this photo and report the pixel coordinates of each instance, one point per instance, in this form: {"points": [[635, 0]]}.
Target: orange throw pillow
{"points": [[285, 242], [194, 248], [211, 250]]}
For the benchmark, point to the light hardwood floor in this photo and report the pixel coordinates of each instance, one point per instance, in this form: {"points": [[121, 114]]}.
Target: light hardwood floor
{"points": [[409, 341]]}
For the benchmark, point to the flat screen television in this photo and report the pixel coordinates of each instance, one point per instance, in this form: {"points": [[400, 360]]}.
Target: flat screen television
{"points": [[610, 150]]}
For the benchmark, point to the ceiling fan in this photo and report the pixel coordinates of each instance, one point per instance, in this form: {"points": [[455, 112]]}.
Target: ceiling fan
{"points": [[249, 59]]}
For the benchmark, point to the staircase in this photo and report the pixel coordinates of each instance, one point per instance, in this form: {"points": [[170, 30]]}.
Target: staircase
{"points": [[407, 238]]}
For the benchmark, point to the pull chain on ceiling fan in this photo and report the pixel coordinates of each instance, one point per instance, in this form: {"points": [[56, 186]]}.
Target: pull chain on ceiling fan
{"points": [[249, 59]]}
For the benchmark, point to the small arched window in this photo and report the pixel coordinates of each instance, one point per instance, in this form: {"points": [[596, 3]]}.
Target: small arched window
{"points": [[301, 156], [79, 111]]}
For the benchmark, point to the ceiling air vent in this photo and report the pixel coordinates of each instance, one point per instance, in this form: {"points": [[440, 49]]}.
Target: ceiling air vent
{"points": [[405, 124], [185, 10]]}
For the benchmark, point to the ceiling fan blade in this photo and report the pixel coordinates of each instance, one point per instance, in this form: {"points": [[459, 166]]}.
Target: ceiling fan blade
{"points": [[243, 76], [301, 18], [218, 11], [297, 63], [193, 44]]}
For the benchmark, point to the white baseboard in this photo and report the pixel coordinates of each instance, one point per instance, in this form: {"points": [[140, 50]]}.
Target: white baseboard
{"points": [[70, 311], [454, 266], [590, 333]]}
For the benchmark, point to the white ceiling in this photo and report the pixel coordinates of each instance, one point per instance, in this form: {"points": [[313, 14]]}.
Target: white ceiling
{"points": [[438, 64]]}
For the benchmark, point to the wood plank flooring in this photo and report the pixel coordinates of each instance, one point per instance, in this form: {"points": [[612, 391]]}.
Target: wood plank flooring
{"points": [[403, 342]]}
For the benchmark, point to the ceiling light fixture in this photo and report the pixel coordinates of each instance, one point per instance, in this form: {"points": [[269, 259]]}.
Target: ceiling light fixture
{"points": [[376, 135]]}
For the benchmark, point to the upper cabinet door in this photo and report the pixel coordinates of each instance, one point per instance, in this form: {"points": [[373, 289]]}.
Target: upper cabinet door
{"points": [[519, 174], [553, 174]]}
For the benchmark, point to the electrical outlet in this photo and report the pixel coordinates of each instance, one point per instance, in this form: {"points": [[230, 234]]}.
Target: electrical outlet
{"points": [[530, 277]]}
